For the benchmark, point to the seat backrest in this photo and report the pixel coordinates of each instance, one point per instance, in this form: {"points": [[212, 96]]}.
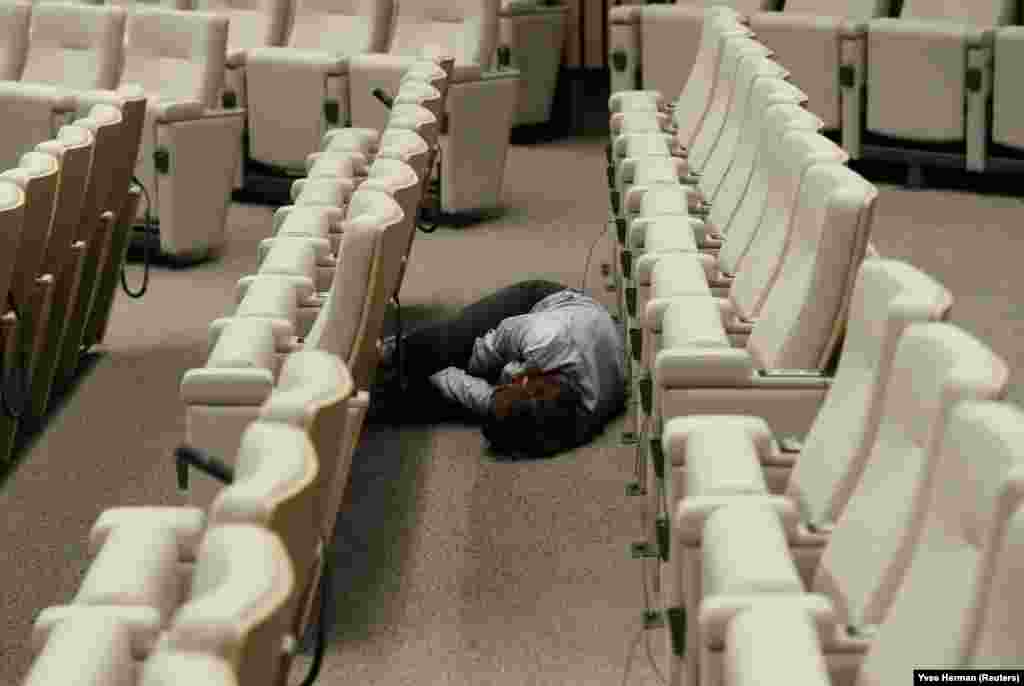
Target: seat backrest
{"points": [[859, 10], [889, 296], [312, 393], [751, 68], [706, 137], [242, 587], [405, 145], [12, 220], [937, 365], [350, 321], [412, 96], [400, 181], [106, 124], [168, 668], [767, 93], [979, 13], [464, 29], [800, 324], [959, 604], [252, 23], [38, 175], [786, 163], [75, 45], [73, 146], [698, 92], [275, 486], [14, 27], [317, 24], [176, 55]]}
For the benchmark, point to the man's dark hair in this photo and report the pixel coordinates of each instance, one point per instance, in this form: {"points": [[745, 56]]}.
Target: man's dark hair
{"points": [[537, 427]]}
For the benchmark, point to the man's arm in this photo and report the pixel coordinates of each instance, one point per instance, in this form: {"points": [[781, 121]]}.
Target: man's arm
{"points": [[469, 391]]}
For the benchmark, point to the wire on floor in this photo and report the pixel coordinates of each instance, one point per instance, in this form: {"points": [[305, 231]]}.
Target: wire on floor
{"points": [[148, 230]]}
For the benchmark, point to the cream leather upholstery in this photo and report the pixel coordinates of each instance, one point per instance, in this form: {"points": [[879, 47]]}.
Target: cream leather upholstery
{"points": [[246, 349], [535, 33], [806, 37], [237, 608], [858, 562], [77, 46], [818, 480], [959, 573], [797, 327], [934, 41], [481, 101], [14, 24], [295, 93], [12, 218], [189, 152]]}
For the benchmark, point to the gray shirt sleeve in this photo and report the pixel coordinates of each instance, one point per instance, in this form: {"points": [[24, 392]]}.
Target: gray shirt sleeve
{"points": [[467, 390]]}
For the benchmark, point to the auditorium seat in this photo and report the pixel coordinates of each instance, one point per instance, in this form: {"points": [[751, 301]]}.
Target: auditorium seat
{"points": [[705, 361], [481, 99], [99, 648], [930, 42], [237, 600], [190, 152], [63, 256], [297, 92], [957, 606], [12, 219], [246, 349], [1007, 101], [818, 475], [736, 543], [807, 37], [534, 32]]}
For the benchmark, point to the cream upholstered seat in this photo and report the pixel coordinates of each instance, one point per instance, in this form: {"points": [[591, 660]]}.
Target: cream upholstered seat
{"points": [[237, 606], [71, 47], [534, 32], [807, 36], [720, 454], [99, 647], [246, 349], [190, 151], [480, 103], [14, 25], [298, 91], [798, 327], [739, 544], [898, 60], [12, 218], [1007, 101], [957, 606], [316, 223], [63, 256]]}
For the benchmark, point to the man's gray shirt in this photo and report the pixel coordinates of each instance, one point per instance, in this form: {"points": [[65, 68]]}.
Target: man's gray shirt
{"points": [[567, 332]]}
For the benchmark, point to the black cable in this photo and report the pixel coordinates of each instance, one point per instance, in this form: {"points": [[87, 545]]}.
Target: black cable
{"points": [[148, 230], [590, 256], [15, 408], [321, 627], [403, 384], [423, 226]]}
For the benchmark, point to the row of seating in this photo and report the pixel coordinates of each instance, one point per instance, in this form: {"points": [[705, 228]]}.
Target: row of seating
{"points": [[774, 460], [231, 580], [66, 212], [919, 81]]}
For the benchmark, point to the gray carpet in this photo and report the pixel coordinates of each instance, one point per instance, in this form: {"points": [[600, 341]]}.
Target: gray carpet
{"points": [[451, 567]]}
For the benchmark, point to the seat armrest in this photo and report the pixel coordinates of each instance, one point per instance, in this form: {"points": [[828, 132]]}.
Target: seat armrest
{"points": [[791, 378], [168, 111], [187, 523], [693, 512], [723, 453], [301, 288], [717, 613], [39, 94], [313, 59], [695, 367]]}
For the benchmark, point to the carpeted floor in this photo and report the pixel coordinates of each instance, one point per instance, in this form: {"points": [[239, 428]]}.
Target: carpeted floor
{"points": [[450, 567]]}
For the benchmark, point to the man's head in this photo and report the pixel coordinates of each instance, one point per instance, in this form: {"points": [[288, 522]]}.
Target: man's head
{"points": [[533, 415]]}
